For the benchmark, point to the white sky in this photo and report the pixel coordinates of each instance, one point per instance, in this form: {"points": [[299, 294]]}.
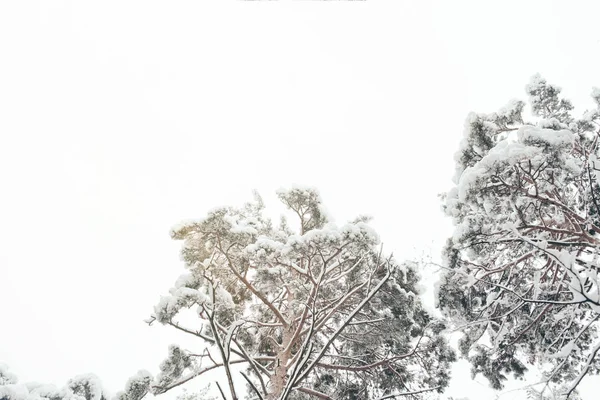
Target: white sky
{"points": [[118, 119]]}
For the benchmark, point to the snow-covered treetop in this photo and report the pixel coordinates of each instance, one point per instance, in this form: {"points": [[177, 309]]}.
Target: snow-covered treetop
{"points": [[318, 311], [523, 258], [82, 387]]}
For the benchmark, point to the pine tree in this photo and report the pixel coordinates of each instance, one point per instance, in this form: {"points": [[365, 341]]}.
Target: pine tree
{"points": [[521, 274], [317, 313]]}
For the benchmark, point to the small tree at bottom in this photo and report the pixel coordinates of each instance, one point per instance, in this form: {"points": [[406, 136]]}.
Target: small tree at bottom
{"points": [[82, 387]]}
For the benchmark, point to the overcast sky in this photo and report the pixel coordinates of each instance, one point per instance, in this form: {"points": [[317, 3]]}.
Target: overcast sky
{"points": [[120, 118]]}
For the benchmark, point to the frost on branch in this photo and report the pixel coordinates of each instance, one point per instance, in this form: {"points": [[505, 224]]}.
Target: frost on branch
{"points": [[136, 387], [87, 386], [316, 312], [173, 367], [483, 131], [546, 102], [522, 264], [181, 297]]}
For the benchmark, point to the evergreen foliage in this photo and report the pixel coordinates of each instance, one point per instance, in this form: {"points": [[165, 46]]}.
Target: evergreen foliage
{"points": [[315, 313], [522, 266]]}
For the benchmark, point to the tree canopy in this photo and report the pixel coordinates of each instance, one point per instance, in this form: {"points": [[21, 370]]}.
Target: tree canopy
{"points": [[522, 264], [316, 312]]}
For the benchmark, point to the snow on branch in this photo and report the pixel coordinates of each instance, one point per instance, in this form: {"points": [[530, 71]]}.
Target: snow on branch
{"points": [[320, 310], [522, 265]]}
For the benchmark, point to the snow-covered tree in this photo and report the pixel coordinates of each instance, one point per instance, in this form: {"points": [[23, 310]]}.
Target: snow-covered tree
{"points": [[316, 313], [6, 377], [82, 387], [522, 266]]}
